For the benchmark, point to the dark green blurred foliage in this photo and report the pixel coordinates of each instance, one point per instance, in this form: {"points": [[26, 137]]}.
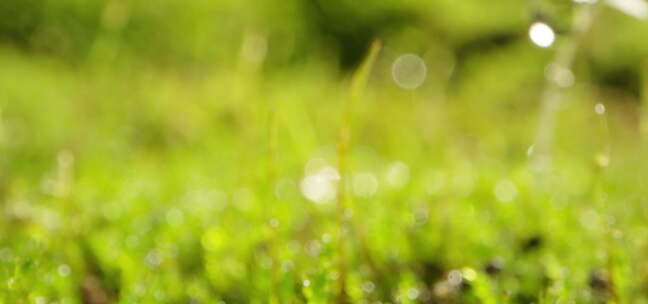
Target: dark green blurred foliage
{"points": [[348, 27], [64, 28], [209, 32]]}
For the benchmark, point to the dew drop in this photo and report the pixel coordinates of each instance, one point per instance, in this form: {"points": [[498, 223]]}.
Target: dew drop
{"points": [[409, 71], [542, 35]]}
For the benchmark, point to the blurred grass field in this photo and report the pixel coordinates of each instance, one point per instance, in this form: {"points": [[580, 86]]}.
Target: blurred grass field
{"points": [[189, 152]]}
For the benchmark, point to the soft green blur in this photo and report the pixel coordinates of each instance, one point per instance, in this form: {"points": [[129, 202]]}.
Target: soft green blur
{"points": [[160, 152]]}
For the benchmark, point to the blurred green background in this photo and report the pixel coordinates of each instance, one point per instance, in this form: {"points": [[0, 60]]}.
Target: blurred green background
{"points": [[189, 152]]}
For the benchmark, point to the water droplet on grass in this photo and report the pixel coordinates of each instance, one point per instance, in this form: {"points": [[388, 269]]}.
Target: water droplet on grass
{"points": [[409, 71], [318, 188], [542, 35], [320, 183]]}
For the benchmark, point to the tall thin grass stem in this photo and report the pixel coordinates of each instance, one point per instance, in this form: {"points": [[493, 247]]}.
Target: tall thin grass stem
{"points": [[358, 83]]}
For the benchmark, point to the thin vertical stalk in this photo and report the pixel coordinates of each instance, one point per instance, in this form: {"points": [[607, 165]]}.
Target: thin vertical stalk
{"points": [[643, 119], [551, 97], [358, 82], [271, 181], [643, 173], [644, 100]]}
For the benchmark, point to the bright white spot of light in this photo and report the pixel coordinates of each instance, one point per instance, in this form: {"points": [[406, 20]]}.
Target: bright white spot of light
{"points": [[634, 8], [409, 71], [397, 175], [364, 184], [321, 186], [306, 283], [505, 191], [317, 188], [541, 34], [599, 108]]}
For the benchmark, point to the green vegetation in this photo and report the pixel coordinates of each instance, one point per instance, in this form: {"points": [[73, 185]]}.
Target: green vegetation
{"points": [[190, 152]]}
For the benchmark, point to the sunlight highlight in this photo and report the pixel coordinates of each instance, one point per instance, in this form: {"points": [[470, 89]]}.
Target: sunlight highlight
{"points": [[542, 35], [320, 183], [634, 8]]}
